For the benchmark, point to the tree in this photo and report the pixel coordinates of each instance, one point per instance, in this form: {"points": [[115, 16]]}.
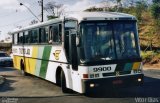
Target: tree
{"points": [[156, 1], [33, 22], [119, 5], [18, 26], [55, 10], [92, 9], [51, 17], [2, 41], [118, 2], [155, 12], [140, 7]]}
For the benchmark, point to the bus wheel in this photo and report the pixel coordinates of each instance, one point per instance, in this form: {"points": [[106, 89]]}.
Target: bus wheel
{"points": [[63, 83], [22, 68]]}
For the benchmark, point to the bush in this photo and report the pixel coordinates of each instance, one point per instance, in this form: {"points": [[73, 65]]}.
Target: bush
{"points": [[147, 56], [150, 57], [158, 55]]}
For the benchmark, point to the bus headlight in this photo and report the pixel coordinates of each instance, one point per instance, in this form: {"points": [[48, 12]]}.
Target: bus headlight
{"points": [[139, 79], [92, 85]]}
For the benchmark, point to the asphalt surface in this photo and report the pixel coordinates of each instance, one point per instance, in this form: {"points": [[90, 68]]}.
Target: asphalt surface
{"points": [[30, 89]]}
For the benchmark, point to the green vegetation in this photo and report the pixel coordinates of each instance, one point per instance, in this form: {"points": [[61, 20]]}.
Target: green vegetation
{"points": [[151, 57]]}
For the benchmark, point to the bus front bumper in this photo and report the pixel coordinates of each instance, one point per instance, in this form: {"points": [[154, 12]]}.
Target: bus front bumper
{"points": [[112, 82]]}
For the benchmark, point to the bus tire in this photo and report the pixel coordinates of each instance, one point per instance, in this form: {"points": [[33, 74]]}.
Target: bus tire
{"points": [[22, 68], [63, 83]]}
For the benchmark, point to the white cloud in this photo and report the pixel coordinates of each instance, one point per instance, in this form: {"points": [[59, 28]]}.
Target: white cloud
{"points": [[80, 5], [8, 4], [106, 4], [11, 5], [84, 4]]}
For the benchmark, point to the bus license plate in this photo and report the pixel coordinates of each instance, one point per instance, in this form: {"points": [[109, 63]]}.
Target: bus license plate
{"points": [[117, 82]]}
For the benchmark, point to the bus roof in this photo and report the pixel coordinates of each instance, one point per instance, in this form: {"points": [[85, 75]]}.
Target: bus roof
{"points": [[86, 16], [49, 22]]}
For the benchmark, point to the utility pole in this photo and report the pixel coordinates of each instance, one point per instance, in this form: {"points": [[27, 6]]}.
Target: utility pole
{"points": [[41, 4], [42, 9]]}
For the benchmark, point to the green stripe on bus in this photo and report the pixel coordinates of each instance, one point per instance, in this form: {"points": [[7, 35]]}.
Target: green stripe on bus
{"points": [[39, 62], [44, 64]]}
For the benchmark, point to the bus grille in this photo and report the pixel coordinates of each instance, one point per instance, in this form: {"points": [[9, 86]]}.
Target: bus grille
{"points": [[116, 73]]}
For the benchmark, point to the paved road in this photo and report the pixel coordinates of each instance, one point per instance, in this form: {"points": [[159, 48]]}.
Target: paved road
{"points": [[35, 90]]}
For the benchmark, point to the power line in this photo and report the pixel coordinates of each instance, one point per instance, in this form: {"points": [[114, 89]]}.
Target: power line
{"points": [[30, 11], [16, 22], [40, 3], [11, 24]]}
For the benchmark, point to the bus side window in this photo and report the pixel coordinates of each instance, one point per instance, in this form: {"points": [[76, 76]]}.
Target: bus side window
{"points": [[20, 38], [47, 33], [13, 41], [55, 33], [43, 34], [50, 35], [34, 36], [15, 38], [26, 37], [30, 36], [60, 32]]}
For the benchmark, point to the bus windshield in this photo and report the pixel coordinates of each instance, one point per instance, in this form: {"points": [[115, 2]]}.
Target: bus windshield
{"points": [[109, 40]]}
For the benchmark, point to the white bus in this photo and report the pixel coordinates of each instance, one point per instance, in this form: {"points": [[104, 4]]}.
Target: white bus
{"points": [[81, 52]]}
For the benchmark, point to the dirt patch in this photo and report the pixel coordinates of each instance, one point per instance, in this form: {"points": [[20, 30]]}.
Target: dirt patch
{"points": [[152, 66]]}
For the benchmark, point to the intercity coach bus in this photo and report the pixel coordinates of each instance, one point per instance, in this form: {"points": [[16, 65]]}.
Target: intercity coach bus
{"points": [[81, 52]]}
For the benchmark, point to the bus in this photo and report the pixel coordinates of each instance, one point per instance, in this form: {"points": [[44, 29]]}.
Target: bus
{"points": [[82, 51]]}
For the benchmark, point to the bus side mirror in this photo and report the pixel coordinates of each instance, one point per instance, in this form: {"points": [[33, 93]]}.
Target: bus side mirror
{"points": [[73, 51]]}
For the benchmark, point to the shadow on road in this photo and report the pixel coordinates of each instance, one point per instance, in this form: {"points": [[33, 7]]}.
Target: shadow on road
{"points": [[7, 86], [5, 69], [150, 88]]}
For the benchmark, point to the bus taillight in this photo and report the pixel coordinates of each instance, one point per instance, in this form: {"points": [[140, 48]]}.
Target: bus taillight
{"points": [[85, 75]]}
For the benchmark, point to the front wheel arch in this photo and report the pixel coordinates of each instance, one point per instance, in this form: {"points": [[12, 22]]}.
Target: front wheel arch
{"points": [[61, 80], [22, 68]]}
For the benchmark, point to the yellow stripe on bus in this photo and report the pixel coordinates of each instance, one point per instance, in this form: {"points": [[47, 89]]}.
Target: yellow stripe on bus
{"points": [[31, 65], [16, 60], [136, 65]]}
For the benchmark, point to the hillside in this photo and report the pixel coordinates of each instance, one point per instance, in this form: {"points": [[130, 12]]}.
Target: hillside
{"points": [[149, 34]]}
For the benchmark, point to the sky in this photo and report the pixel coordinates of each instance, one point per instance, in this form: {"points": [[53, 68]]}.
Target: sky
{"points": [[12, 15]]}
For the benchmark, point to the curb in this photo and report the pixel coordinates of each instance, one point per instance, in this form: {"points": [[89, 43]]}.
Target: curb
{"points": [[1, 80]]}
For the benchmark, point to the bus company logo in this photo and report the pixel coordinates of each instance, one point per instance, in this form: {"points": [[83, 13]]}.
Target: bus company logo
{"points": [[100, 69], [56, 54], [117, 73]]}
